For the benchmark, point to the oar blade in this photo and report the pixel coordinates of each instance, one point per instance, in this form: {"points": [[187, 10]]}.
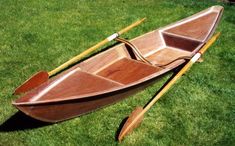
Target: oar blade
{"points": [[33, 82], [133, 121]]}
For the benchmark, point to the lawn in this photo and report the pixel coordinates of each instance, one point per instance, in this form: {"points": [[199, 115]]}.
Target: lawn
{"points": [[40, 35]]}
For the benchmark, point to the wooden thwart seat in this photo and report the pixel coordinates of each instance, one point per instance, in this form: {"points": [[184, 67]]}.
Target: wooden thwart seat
{"points": [[167, 55], [127, 70], [177, 48]]}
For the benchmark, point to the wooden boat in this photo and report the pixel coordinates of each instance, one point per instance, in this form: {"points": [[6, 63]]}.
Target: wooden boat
{"points": [[119, 71]]}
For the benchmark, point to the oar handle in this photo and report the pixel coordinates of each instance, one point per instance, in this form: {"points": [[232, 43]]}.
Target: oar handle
{"points": [[182, 71], [131, 26], [88, 51]]}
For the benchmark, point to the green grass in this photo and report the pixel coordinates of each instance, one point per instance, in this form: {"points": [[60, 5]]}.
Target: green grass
{"points": [[36, 35]]}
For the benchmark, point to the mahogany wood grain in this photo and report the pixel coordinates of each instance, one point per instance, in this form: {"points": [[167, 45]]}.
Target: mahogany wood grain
{"points": [[78, 83], [180, 42], [197, 29], [166, 55], [38, 79], [60, 111], [149, 42], [127, 71], [100, 60]]}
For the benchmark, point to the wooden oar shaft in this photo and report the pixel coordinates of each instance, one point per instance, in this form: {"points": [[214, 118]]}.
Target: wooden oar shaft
{"points": [[182, 71], [159, 95], [77, 58], [88, 51], [131, 26], [209, 43], [130, 125]]}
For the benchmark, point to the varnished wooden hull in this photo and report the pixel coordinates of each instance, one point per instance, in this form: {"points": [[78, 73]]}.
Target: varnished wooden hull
{"points": [[117, 73], [60, 111]]}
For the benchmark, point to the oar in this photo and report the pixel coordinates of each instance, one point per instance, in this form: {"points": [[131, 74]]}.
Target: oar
{"points": [[136, 117], [42, 76]]}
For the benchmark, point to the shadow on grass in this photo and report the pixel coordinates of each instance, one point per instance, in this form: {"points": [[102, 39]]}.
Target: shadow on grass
{"points": [[20, 121], [175, 71], [120, 128]]}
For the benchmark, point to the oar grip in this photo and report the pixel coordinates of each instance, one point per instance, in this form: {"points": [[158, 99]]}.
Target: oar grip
{"points": [[131, 26]]}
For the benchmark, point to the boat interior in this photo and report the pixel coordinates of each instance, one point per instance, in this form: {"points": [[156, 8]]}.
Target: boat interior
{"points": [[121, 65], [162, 48]]}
